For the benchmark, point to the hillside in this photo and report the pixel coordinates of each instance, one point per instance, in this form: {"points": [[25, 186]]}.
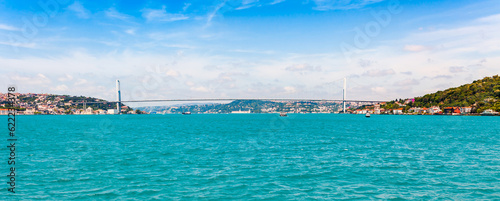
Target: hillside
{"points": [[255, 106], [480, 95], [57, 104]]}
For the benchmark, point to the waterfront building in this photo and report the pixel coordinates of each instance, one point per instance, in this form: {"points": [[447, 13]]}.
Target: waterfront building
{"points": [[433, 110], [241, 112], [451, 110], [112, 111], [397, 111], [89, 110], [4, 111], [465, 110]]}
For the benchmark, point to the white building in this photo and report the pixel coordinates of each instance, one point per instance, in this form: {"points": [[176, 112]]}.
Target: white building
{"points": [[397, 111], [241, 112], [465, 110], [89, 110], [415, 110], [4, 111], [112, 111], [433, 110]]}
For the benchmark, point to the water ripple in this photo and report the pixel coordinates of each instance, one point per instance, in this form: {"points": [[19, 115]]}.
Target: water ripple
{"points": [[250, 157]]}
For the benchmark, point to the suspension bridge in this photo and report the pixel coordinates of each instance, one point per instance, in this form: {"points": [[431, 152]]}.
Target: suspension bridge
{"points": [[119, 102]]}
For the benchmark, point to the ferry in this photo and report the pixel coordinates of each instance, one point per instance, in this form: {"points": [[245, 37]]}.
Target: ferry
{"points": [[186, 113]]}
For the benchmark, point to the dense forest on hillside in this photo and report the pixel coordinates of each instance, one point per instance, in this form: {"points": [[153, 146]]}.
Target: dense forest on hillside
{"points": [[480, 95]]}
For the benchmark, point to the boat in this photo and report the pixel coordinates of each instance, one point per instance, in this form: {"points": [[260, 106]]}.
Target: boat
{"points": [[185, 113], [489, 112], [283, 114], [367, 115]]}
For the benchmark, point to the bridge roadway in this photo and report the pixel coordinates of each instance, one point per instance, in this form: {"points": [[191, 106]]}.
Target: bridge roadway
{"points": [[230, 99]]}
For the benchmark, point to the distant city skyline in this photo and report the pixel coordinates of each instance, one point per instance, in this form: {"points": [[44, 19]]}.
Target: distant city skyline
{"points": [[247, 48]]}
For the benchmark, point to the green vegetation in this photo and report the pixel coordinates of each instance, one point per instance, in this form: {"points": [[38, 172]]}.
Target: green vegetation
{"points": [[15, 108], [480, 95], [63, 103], [255, 106]]}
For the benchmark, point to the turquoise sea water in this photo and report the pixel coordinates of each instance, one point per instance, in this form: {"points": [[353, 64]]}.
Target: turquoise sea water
{"points": [[254, 157]]}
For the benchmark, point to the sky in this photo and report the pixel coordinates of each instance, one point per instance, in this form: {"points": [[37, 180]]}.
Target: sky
{"points": [[386, 49]]}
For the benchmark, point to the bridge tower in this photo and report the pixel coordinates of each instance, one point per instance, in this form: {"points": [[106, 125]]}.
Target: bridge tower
{"points": [[118, 97], [344, 93]]}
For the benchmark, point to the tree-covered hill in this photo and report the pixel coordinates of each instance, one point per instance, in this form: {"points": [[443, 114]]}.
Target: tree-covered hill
{"points": [[254, 106], [480, 95], [64, 102]]}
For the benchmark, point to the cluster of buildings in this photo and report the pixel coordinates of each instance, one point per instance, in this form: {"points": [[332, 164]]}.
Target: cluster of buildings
{"points": [[403, 109], [263, 107], [303, 107], [379, 109], [309, 107], [31, 104]]}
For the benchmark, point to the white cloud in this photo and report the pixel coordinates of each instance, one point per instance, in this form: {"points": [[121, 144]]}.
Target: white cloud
{"points": [[365, 63], [14, 44], [407, 82], [186, 6], [212, 14], [303, 67], [253, 51], [289, 89], [8, 27], [379, 73], [65, 78], [79, 10], [379, 90], [342, 4], [200, 89], [415, 48], [113, 13], [276, 2], [457, 69], [130, 31], [245, 4], [81, 81], [456, 46], [172, 73], [162, 15], [39, 79], [60, 88]]}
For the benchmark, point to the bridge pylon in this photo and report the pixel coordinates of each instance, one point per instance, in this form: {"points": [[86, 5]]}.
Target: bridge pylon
{"points": [[344, 93], [118, 97]]}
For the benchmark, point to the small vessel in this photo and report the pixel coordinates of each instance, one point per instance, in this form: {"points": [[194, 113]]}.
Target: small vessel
{"points": [[489, 112], [186, 113], [283, 114], [367, 115]]}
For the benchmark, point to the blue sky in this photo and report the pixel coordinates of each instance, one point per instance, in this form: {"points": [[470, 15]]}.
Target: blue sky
{"points": [[247, 48]]}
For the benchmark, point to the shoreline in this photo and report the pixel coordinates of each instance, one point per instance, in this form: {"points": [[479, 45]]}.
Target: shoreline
{"points": [[252, 113]]}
